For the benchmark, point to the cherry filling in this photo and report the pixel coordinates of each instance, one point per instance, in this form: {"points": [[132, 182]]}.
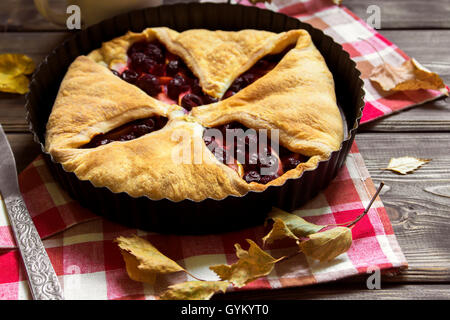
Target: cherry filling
{"points": [[164, 76], [128, 131], [261, 163]]}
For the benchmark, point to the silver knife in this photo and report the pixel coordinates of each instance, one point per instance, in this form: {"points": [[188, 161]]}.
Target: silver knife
{"points": [[42, 278]]}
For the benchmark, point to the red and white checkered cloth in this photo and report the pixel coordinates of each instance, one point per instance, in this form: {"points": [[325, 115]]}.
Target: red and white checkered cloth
{"points": [[90, 266]]}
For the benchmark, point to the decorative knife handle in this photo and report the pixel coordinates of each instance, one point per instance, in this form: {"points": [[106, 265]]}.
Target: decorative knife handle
{"points": [[42, 278]]}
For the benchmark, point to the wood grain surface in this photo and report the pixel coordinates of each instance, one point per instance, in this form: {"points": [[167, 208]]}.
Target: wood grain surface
{"points": [[418, 204]]}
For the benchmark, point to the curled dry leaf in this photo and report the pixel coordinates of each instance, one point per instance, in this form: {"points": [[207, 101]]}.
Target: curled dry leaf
{"points": [[13, 71], [194, 290], [133, 270], [279, 231], [288, 225], [251, 265], [327, 245], [404, 165], [143, 261], [409, 76]]}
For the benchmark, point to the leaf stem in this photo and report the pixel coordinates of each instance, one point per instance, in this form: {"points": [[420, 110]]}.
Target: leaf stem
{"points": [[193, 275], [368, 207]]}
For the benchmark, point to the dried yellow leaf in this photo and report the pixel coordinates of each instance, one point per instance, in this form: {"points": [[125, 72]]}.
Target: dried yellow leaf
{"points": [[147, 259], [13, 68], [279, 231], [409, 76], [404, 165], [251, 265], [327, 245], [136, 274], [194, 290], [288, 225], [12, 64]]}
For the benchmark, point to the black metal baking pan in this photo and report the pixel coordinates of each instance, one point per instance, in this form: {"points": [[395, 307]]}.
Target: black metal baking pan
{"points": [[187, 216]]}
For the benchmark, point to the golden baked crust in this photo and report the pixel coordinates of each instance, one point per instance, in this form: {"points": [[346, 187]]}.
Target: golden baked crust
{"points": [[296, 97]]}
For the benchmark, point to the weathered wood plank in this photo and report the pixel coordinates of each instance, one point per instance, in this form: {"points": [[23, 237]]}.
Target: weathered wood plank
{"points": [[22, 15], [406, 14], [421, 220], [37, 46], [344, 291], [24, 148], [433, 116]]}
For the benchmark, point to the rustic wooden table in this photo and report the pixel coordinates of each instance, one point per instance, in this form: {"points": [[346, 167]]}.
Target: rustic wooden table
{"points": [[421, 219]]}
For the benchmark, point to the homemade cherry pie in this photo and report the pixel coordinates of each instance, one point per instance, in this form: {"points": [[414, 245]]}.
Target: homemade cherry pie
{"points": [[127, 113]]}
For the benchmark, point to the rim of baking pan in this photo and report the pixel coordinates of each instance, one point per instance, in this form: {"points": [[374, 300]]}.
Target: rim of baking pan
{"points": [[194, 6]]}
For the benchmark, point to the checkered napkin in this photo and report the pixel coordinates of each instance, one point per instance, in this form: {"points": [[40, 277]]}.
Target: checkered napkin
{"points": [[90, 266]]}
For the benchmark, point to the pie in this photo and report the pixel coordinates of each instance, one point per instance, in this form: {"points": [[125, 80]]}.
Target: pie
{"points": [[135, 115]]}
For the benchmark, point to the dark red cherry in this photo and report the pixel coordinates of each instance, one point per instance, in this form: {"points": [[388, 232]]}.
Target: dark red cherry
{"points": [[249, 78], [238, 84], [157, 69], [150, 123], [141, 62], [190, 101], [104, 141], [154, 52], [290, 163], [228, 94], [149, 83], [184, 70], [267, 178], [172, 67], [127, 137], [195, 87], [160, 122], [116, 73], [262, 64], [130, 76], [252, 176], [140, 129], [137, 47], [176, 86], [207, 99]]}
